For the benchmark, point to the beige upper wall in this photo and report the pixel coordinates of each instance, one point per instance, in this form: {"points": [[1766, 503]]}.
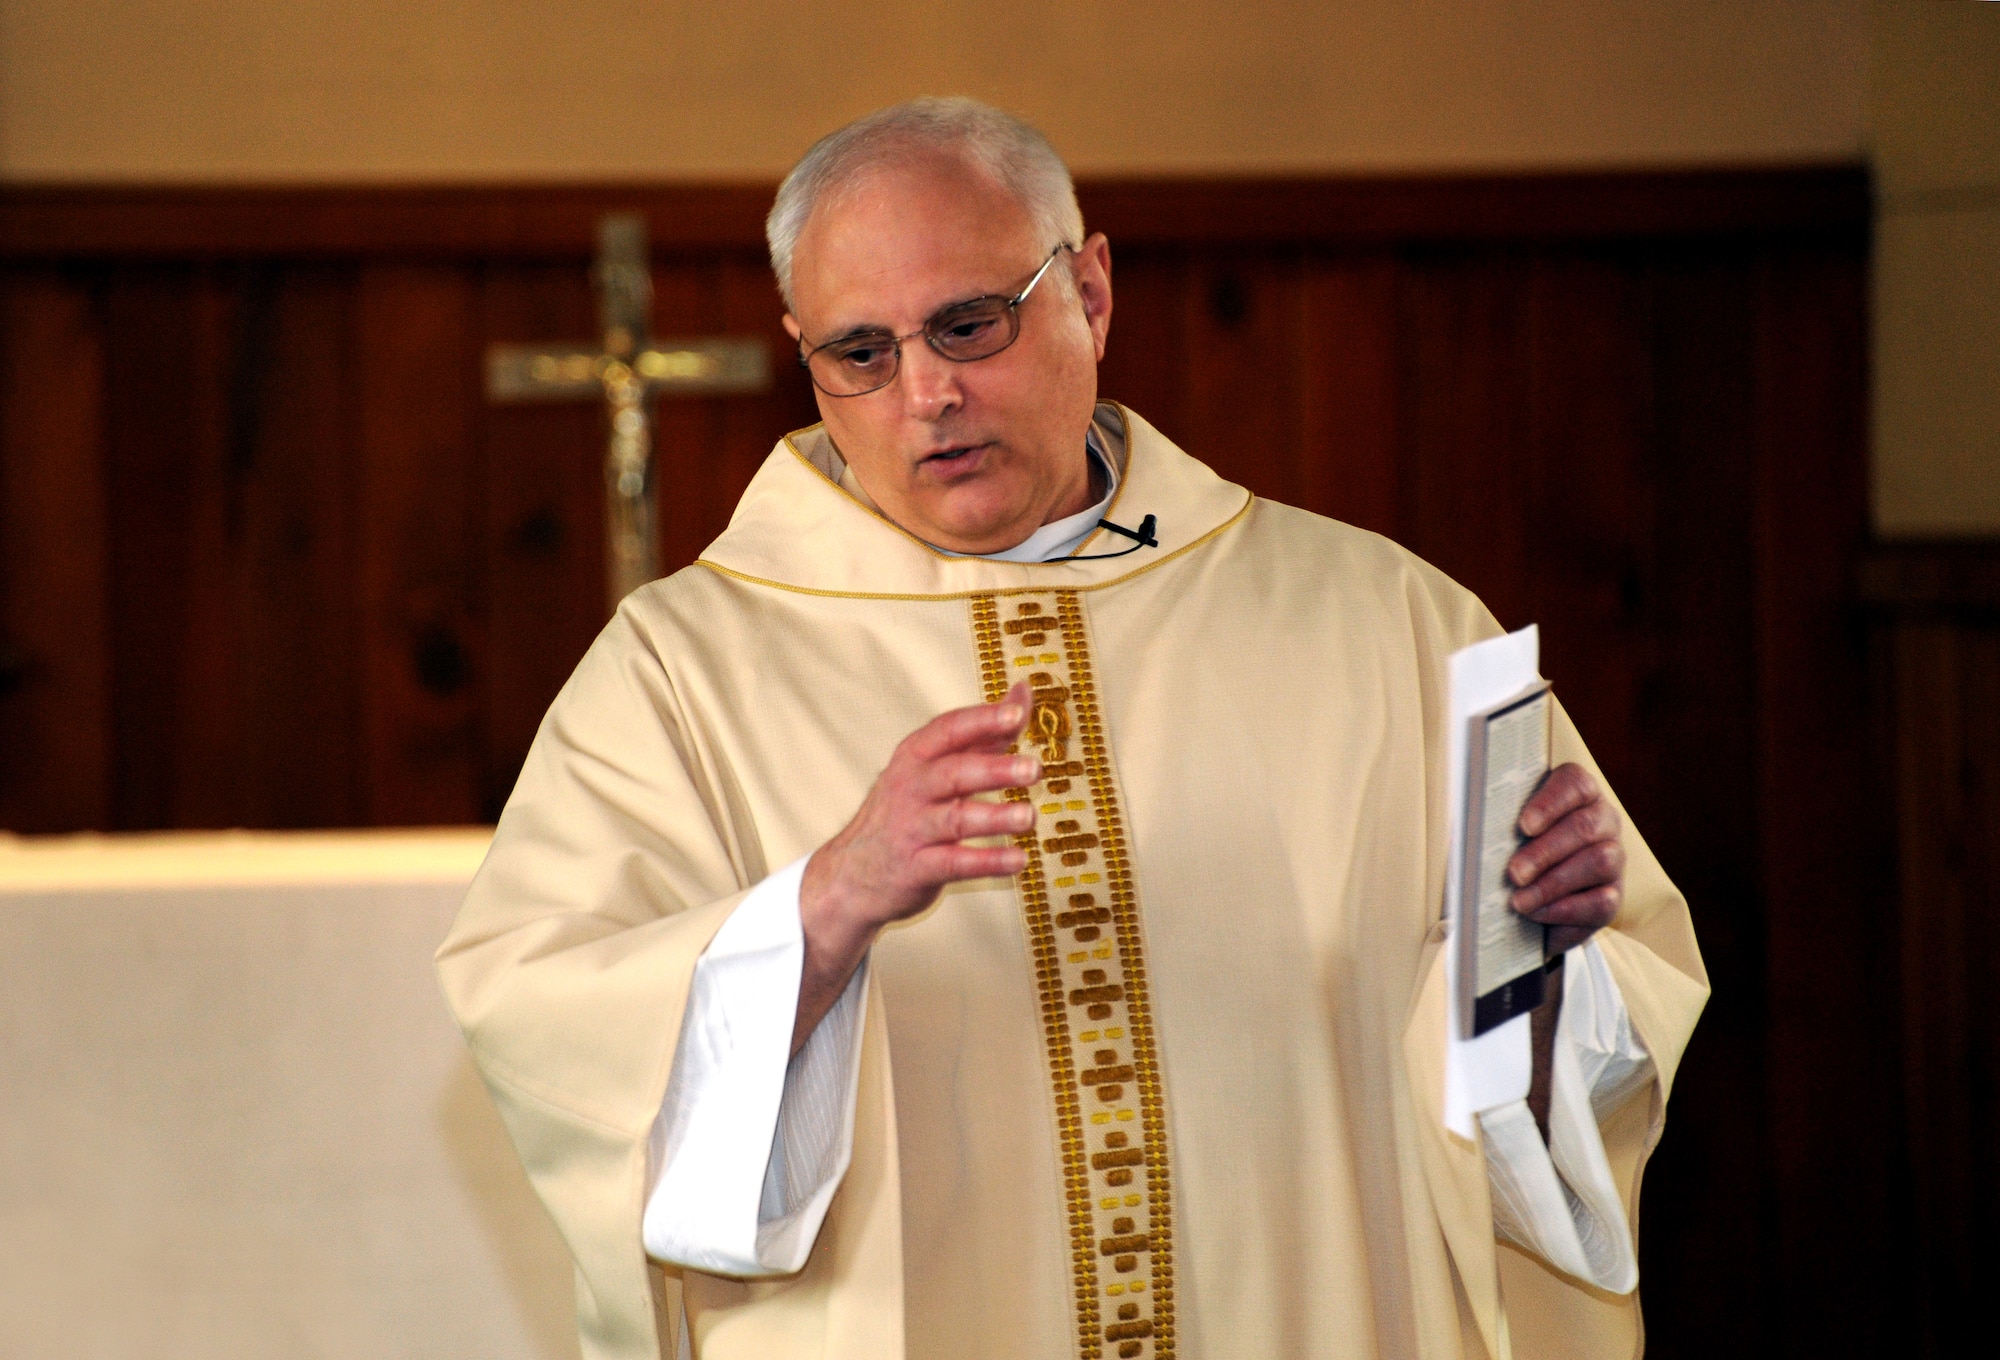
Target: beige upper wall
{"points": [[277, 90], [469, 89], [1936, 98], [1937, 268]]}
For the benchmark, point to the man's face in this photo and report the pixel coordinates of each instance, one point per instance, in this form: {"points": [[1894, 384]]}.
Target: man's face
{"points": [[973, 457]]}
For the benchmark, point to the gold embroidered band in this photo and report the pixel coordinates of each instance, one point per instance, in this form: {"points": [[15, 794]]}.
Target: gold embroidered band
{"points": [[1090, 967]]}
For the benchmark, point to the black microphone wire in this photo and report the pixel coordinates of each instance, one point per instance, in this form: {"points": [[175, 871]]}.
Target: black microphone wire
{"points": [[1143, 537]]}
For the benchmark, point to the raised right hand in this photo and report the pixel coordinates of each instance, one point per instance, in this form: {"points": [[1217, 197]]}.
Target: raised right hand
{"points": [[907, 841]]}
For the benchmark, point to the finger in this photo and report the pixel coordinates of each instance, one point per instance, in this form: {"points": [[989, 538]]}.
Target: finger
{"points": [[1586, 911], [1600, 862], [1587, 825], [955, 776], [1562, 939], [942, 864], [1020, 695], [1567, 788], [965, 818], [963, 728]]}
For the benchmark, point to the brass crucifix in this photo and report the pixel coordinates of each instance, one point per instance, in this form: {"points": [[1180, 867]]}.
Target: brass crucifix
{"points": [[628, 370]]}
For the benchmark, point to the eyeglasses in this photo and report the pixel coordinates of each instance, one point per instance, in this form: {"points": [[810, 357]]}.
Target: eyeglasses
{"points": [[978, 328]]}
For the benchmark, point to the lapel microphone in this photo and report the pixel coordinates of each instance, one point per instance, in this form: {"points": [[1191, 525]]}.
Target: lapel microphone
{"points": [[1142, 537]]}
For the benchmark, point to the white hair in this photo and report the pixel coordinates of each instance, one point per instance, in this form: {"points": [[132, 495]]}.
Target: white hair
{"points": [[1013, 152]]}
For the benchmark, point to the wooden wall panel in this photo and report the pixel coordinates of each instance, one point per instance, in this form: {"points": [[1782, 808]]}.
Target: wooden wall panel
{"points": [[1710, 1226], [710, 447], [693, 484], [227, 572], [1146, 355], [543, 520], [1244, 319], [748, 426], [289, 517], [1825, 866], [1349, 459], [1587, 483], [1465, 391], [1944, 969], [172, 675], [1936, 634], [56, 741], [422, 622]]}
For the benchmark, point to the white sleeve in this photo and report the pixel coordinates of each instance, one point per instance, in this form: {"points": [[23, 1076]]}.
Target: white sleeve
{"points": [[749, 1146], [1557, 1199]]}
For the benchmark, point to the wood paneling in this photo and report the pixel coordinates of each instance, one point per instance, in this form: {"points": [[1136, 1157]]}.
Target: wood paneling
{"points": [[1710, 1228], [1825, 867], [164, 474], [1348, 437], [543, 540], [55, 650], [271, 559], [422, 589], [290, 522], [1464, 329], [1937, 614], [514, 221]]}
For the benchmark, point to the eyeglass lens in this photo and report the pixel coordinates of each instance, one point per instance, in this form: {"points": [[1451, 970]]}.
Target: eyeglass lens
{"points": [[969, 330]]}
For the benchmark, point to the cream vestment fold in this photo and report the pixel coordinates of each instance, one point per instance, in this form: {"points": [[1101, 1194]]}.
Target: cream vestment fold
{"points": [[714, 1206], [1176, 1089], [749, 1147]]}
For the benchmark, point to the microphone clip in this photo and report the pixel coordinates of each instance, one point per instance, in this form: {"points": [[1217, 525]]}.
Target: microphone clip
{"points": [[1142, 537]]}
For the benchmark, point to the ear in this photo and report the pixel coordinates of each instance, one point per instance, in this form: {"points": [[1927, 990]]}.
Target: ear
{"points": [[1091, 268], [792, 326]]}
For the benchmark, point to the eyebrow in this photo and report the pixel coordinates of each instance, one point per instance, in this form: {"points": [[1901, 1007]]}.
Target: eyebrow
{"points": [[860, 329], [856, 332]]}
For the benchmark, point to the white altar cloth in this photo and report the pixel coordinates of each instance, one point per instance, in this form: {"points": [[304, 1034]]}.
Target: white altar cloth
{"points": [[236, 1120]]}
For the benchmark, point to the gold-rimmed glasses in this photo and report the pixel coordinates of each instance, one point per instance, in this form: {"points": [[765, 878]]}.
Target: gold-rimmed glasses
{"points": [[867, 361]]}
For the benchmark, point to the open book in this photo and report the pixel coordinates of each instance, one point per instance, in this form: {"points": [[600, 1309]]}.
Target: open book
{"points": [[1501, 952]]}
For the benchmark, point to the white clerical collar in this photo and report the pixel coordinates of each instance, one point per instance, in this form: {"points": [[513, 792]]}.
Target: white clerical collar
{"points": [[1060, 538]]}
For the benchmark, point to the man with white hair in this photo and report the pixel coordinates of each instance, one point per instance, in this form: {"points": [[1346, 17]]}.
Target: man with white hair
{"points": [[989, 905]]}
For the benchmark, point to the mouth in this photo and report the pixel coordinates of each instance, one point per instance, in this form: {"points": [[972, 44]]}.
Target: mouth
{"points": [[953, 460]]}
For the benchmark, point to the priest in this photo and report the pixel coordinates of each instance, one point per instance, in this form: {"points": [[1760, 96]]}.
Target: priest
{"points": [[990, 905]]}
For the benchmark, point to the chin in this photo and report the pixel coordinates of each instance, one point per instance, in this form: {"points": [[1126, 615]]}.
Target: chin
{"points": [[974, 514], [976, 539], [993, 533]]}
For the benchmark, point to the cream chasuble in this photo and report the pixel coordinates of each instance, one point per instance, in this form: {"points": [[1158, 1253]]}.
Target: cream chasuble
{"points": [[1177, 1090]]}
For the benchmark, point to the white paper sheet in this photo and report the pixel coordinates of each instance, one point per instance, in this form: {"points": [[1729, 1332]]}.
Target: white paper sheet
{"points": [[1495, 1068]]}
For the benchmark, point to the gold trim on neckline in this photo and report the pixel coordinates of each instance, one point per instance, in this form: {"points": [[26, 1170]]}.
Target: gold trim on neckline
{"points": [[997, 591]]}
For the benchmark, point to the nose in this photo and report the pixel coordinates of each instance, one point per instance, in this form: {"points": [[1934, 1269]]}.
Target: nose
{"points": [[930, 382]]}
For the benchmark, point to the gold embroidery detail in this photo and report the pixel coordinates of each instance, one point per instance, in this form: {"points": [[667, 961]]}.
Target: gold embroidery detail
{"points": [[1049, 727], [1117, 1184]]}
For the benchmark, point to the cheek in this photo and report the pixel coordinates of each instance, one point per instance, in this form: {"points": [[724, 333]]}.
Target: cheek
{"points": [[855, 428], [1068, 387], [1074, 347], [1051, 372]]}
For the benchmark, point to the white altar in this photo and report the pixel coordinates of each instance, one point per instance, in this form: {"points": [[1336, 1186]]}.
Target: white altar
{"points": [[236, 1120]]}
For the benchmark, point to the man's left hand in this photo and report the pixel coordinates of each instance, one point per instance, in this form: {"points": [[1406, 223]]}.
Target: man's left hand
{"points": [[1570, 874]]}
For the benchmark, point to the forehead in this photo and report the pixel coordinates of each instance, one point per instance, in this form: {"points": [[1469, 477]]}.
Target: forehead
{"points": [[902, 240]]}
